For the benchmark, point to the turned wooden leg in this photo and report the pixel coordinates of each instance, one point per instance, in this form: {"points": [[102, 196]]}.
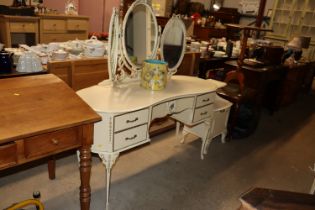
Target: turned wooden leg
{"points": [[85, 166], [52, 168]]}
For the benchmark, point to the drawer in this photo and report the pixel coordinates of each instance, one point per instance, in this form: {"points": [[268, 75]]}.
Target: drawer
{"points": [[205, 99], [130, 120], [160, 110], [8, 155], [62, 37], [184, 103], [77, 25], [130, 137], [203, 113], [23, 27], [51, 142], [53, 25]]}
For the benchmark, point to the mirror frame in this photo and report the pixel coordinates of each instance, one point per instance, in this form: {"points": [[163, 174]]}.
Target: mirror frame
{"points": [[175, 19], [113, 45], [135, 69]]}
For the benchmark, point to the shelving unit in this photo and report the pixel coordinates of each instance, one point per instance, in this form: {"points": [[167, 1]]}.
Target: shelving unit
{"points": [[293, 18]]}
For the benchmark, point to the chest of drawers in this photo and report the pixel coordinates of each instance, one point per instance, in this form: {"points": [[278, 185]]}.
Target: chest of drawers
{"points": [[61, 28]]}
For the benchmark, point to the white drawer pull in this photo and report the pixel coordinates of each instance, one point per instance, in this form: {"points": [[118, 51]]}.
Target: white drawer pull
{"points": [[132, 121], [131, 138], [203, 113], [55, 141], [206, 100]]}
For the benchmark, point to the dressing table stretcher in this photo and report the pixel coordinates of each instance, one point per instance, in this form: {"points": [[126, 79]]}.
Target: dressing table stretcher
{"points": [[40, 117]]}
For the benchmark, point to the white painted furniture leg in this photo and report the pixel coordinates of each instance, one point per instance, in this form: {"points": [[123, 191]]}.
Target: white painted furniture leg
{"points": [[184, 134], [312, 191], [108, 160], [203, 146], [177, 130], [223, 136]]}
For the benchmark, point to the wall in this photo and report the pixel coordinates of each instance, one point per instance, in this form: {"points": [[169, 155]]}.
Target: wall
{"points": [[109, 4], [58, 4], [94, 9]]}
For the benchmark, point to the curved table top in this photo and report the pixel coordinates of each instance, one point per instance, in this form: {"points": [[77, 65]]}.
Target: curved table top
{"points": [[126, 97]]}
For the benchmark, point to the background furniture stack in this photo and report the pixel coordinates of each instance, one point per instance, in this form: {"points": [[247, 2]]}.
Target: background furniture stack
{"points": [[293, 18]]}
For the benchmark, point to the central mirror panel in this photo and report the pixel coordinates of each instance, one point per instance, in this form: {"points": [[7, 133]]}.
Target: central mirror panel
{"points": [[140, 34]]}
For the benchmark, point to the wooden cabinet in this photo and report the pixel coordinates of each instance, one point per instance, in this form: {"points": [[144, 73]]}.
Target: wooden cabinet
{"points": [[80, 74], [293, 18], [17, 30], [206, 33], [61, 28]]}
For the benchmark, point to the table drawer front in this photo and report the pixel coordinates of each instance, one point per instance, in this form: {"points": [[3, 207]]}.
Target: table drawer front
{"points": [[51, 142], [184, 103], [203, 113], [205, 99], [54, 25], [130, 137], [77, 25], [22, 27], [8, 155], [55, 37], [130, 120]]}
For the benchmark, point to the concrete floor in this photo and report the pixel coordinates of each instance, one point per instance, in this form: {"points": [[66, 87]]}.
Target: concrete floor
{"points": [[167, 175]]}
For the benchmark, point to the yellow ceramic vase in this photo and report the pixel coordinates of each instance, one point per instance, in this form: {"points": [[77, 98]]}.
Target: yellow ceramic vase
{"points": [[154, 74]]}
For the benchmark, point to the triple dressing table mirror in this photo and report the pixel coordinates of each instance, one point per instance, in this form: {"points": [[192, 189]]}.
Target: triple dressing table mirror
{"points": [[126, 108]]}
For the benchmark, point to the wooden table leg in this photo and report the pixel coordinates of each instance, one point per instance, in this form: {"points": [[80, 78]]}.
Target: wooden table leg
{"points": [[52, 168], [85, 166]]}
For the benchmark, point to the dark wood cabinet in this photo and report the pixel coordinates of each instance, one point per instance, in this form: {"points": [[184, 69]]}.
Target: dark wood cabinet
{"points": [[206, 33]]}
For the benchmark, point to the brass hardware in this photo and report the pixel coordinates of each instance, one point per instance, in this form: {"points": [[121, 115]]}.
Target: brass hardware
{"points": [[203, 113], [131, 121], [55, 141], [131, 138]]}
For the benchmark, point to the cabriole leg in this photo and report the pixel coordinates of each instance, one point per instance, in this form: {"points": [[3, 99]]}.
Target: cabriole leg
{"points": [[108, 160]]}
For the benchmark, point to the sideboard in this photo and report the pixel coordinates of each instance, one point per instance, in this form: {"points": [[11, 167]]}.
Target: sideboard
{"points": [[18, 29], [44, 28], [61, 28]]}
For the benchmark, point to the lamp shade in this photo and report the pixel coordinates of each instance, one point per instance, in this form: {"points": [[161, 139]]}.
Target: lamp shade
{"points": [[295, 43], [305, 41]]}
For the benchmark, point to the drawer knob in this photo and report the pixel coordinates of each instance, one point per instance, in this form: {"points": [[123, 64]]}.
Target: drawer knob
{"points": [[206, 100], [131, 121], [203, 113], [54, 25], [55, 141], [131, 138]]}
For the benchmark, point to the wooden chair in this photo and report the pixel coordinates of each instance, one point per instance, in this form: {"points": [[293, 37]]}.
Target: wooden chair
{"points": [[236, 92]]}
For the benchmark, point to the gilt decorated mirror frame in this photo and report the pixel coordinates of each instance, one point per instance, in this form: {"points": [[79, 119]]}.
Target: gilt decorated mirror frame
{"points": [[125, 58], [174, 23], [113, 44]]}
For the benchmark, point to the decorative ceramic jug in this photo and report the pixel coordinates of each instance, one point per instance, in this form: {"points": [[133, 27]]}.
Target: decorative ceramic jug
{"points": [[154, 74]]}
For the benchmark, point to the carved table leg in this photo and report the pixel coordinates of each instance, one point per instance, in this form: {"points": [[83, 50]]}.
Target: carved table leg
{"points": [[85, 174], [85, 166], [108, 160]]}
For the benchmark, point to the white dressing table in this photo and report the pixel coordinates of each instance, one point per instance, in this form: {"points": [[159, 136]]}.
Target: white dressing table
{"points": [[126, 108]]}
